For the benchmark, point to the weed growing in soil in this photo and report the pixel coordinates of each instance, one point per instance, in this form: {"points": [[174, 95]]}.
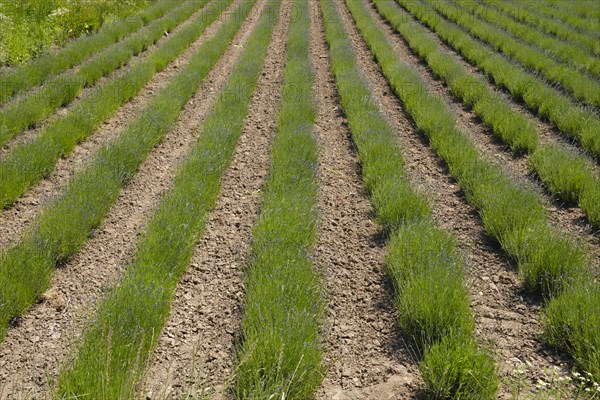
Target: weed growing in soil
{"points": [[553, 386]]}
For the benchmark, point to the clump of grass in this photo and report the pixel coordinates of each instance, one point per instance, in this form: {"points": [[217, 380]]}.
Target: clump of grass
{"points": [[571, 322], [66, 223], [422, 261], [280, 355], [431, 300], [589, 200], [565, 172], [466, 377], [117, 344]]}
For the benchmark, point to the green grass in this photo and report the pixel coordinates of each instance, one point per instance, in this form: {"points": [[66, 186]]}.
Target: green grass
{"points": [[427, 272], [27, 163], [584, 9], [571, 323], [578, 84], [34, 72], [29, 28], [280, 353], [64, 225], [31, 108], [123, 334], [583, 21], [566, 174], [547, 102], [523, 12], [548, 262], [567, 53]]}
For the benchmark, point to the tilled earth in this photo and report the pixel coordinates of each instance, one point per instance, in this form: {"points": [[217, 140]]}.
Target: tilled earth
{"points": [[365, 353]]}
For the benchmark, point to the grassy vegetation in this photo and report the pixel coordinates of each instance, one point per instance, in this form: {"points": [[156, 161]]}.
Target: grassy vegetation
{"points": [[571, 323], [280, 355], [119, 341], [27, 163], [568, 175], [422, 260], [524, 13], [586, 9], [581, 86], [543, 99], [548, 262], [578, 58], [25, 76], [64, 225], [29, 109], [582, 21], [29, 28]]}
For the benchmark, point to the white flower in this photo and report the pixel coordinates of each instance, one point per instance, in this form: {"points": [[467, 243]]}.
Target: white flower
{"points": [[540, 384], [58, 12]]}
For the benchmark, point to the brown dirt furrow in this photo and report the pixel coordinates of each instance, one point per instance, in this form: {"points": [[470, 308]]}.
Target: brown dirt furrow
{"points": [[17, 219], [196, 349], [569, 219], [364, 353], [32, 133], [34, 349], [507, 317]]}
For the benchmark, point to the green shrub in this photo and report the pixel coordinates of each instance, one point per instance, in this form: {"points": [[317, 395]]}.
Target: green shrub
{"points": [[565, 172], [431, 300], [571, 323], [454, 368]]}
